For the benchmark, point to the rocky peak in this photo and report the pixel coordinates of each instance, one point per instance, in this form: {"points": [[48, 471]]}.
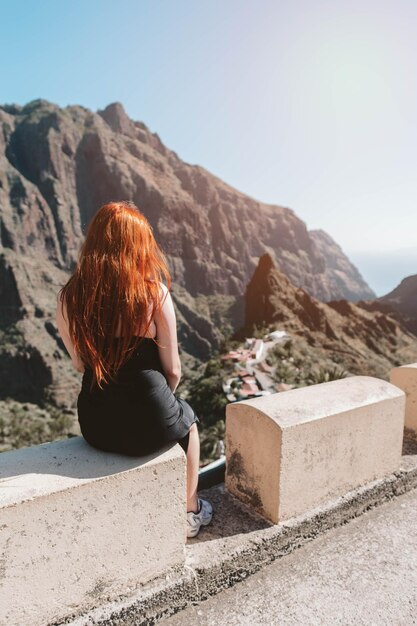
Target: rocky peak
{"points": [[117, 118], [265, 264], [370, 340], [270, 297], [401, 301], [12, 109], [404, 297]]}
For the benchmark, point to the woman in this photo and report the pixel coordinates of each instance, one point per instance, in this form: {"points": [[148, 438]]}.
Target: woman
{"points": [[117, 321]]}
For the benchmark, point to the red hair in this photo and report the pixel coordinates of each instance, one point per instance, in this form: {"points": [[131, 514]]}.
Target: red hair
{"points": [[117, 277]]}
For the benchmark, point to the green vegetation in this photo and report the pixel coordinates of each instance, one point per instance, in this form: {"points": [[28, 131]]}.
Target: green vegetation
{"points": [[280, 351], [210, 439], [218, 309], [296, 365], [206, 393], [324, 375], [26, 424], [229, 344], [259, 331], [202, 387]]}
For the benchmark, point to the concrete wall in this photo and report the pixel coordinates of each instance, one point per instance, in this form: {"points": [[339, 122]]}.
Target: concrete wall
{"points": [[405, 377], [289, 452], [79, 525]]}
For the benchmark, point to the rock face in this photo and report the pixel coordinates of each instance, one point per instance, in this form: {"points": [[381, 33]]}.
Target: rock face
{"points": [[344, 278], [370, 340], [271, 298], [59, 165], [400, 302], [404, 297]]}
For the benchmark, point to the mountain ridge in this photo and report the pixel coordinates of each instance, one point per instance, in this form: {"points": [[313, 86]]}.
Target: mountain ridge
{"points": [[59, 165], [371, 340], [76, 134]]}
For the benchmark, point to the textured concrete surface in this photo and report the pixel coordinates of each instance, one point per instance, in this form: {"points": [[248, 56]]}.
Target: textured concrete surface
{"points": [[239, 543], [80, 526], [289, 452], [405, 377], [364, 572]]}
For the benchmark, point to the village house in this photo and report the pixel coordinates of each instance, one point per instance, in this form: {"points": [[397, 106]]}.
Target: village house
{"points": [[236, 355], [257, 349]]}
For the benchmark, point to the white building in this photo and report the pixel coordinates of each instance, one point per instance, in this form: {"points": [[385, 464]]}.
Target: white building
{"points": [[278, 334]]}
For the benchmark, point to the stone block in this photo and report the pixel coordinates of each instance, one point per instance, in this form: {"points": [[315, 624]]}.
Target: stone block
{"points": [[288, 452], [405, 377], [80, 526]]}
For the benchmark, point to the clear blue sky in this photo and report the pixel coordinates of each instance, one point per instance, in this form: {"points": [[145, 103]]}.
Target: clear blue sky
{"points": [[310, 104]]}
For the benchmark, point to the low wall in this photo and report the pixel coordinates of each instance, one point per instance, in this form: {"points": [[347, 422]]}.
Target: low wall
{"points": [[405, 377], [79, 526], [291, 451]]}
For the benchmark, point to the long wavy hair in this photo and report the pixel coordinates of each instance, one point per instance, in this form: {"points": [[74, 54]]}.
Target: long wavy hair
{"points": [[116, 280]]}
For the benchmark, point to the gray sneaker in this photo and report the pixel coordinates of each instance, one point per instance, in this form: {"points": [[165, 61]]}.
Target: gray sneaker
{"points": [[202, 518]]}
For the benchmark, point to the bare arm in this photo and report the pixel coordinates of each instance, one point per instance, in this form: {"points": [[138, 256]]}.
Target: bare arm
{"points": [[62, 323], [166, 334]]}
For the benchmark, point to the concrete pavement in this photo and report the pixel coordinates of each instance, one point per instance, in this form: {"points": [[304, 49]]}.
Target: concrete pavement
{"points": [[363, 572]]}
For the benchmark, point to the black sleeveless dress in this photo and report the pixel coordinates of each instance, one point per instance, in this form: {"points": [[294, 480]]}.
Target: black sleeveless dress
{"points": [[137, 415]]}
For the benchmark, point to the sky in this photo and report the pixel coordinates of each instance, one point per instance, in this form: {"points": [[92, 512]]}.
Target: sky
{"points": [[308, 104]]}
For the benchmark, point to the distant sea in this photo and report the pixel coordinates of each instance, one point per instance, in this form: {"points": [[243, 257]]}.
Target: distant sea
{"points": [[384, 270]]}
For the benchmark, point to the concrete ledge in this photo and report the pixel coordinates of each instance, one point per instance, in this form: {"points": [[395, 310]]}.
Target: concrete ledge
{"points": [[289, 452], [236, 545], [405, 377], [80, 526]]}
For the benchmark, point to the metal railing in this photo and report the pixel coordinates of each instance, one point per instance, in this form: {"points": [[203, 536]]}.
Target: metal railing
{"points": [[212, 474]]}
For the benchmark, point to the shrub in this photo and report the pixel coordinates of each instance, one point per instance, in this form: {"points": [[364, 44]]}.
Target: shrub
{"points": [[209, 441], [323, 375], [206, 394]]}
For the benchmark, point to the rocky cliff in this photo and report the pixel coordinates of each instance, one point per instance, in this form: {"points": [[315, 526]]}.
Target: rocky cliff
{"points": [[59, 165], [400, 303], [366, 341], [403, 300]]}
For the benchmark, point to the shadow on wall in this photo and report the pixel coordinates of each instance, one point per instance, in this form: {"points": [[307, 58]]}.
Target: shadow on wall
{"points": [[232, 517], [409, 442]]}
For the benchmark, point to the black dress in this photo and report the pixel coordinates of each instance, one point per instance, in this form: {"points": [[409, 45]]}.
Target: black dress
{"points": [[137, 415]]}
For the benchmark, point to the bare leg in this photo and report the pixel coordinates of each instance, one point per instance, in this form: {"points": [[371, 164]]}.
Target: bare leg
{"points": [[193, 463]]}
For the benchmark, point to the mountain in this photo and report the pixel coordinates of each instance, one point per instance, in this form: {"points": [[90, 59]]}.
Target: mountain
{"points": [[401, 303], [404, 297], [344, 278], [59, 165], [370, 342], [385, 268]]}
